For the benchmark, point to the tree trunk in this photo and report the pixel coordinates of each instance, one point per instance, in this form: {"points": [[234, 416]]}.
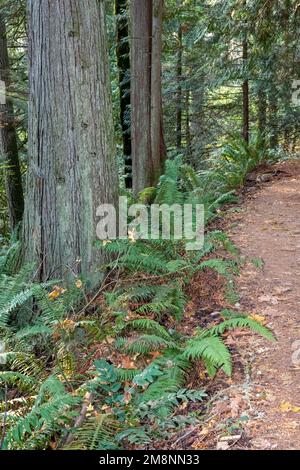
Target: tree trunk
{"points": [[262, 111], [196, 121], [273, 109], [141, 20], [245, 94], [72, 166], [158, 151], [179, 92], [123, 60], [188, 138], [148, 149], [8, 140]]}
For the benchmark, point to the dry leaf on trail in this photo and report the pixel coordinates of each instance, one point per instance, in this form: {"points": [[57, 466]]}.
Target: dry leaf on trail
{"points": [[285, 407], [258, 318]]}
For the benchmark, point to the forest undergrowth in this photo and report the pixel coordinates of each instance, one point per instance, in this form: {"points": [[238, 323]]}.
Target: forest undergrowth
{"points": [[131, 364]]}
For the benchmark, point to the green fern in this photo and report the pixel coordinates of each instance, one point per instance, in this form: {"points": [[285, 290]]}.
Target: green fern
{"points": [[51, 409], [212, 350]]}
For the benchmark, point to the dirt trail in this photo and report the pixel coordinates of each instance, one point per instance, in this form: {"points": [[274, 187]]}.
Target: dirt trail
{"points": [[268, 227]]}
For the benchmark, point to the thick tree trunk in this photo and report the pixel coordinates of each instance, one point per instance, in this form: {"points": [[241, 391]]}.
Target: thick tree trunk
{"points": [[123, 60], [72, 167], [158, 151], [141, 21], [8, 140], [148, 150]]}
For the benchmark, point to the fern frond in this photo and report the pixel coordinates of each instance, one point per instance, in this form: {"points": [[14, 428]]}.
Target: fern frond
{"points": [[97, 433], [241, 322], [209, 348]]}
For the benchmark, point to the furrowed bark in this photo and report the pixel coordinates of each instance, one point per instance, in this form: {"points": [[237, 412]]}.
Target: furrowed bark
{"points": [[141, 15], [148, 148], [72, 166]]}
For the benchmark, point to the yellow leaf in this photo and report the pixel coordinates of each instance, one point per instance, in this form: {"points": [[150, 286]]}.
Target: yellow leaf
{"points": [[285, 406], [258, 318], [78, 284], [57, 291], [202, 375]]}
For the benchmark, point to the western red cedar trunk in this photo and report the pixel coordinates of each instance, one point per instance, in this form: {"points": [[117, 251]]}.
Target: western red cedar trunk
{"points": [[148, 149], [123, 61], [72, 167], [8, 140], [141, 21], [158, 150]]}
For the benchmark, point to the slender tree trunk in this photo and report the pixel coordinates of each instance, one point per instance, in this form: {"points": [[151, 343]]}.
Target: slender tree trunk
{"points": [[72, 167], [196, 120], [187, 122], [148, 148], [262, 111], [179, 92], [273, 109], [8, 140], [245, 94], [286, 141], [123, 60]]}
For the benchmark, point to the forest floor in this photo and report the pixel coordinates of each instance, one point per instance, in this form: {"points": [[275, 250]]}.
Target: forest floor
{"points": [[259, 407]]}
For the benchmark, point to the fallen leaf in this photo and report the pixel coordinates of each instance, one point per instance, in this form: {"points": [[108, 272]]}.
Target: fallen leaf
{"points": [[258, 318], [285, 407], [57, 291]]}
